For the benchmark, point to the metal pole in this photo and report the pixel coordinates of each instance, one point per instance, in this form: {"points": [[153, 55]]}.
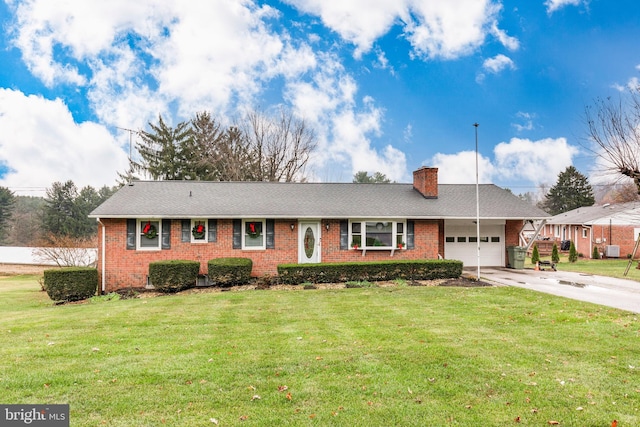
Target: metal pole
{"points": [[477, 203]]}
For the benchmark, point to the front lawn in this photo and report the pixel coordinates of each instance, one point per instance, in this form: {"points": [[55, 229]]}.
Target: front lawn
{"points": [[410, 356]]}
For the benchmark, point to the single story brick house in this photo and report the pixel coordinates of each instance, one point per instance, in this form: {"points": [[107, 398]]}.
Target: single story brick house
{"points": [[612, 228], [274, 223]]}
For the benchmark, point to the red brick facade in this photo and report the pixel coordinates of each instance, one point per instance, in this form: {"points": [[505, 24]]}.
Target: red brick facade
{"points": [[129, 268], [586, 238]]}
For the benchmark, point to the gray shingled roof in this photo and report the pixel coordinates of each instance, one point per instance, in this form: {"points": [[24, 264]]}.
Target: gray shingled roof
{"points": [[189, 199], [589, 215]]}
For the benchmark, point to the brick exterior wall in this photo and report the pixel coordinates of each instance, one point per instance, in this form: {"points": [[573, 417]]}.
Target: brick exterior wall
{"points": [[511, 236], [620, 235], [129, 268]]}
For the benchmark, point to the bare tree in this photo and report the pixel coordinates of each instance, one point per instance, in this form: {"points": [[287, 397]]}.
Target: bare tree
{"points": [[614, 126], [281, 144], [67, 251]]}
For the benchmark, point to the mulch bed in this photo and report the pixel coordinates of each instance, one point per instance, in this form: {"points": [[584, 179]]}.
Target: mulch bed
{"points": [[465, 282]]}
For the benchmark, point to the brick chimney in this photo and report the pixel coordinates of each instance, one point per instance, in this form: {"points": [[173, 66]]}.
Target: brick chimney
{"points": [[425, 180]]}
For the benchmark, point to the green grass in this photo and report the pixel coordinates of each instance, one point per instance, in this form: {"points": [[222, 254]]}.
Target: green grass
{"points": [[603, 267], [399, 356]]}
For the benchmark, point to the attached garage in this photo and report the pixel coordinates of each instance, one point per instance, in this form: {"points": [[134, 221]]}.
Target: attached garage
{"points": [[460, 242]]}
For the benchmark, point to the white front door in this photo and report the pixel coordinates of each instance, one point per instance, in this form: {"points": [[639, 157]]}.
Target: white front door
{"points": [[309, 242]]}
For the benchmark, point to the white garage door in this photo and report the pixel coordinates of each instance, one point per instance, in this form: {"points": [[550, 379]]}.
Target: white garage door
{"points": [[460, 242]]}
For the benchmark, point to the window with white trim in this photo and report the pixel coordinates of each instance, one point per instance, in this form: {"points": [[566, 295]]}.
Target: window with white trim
{"points": [[253, 234], [378, 234], [199, 231], [149, 232]]}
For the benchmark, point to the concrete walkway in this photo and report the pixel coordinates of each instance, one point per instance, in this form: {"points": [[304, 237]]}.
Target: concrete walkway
{"points": [[617, 293]]}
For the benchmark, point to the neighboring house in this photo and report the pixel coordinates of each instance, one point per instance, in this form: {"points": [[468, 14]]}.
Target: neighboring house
{"points": [[274, 223], [612, 228]]}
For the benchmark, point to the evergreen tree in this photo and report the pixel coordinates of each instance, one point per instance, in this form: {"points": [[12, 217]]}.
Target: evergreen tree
{"points": [[535, 255], [573, 253], [65, 212], [571, 191], [165, 151], [595, 254], [363, 177], [555, 255], [7, 200]]}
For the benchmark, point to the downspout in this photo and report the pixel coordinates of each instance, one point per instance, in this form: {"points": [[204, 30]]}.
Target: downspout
{"points": [[103, 264]]}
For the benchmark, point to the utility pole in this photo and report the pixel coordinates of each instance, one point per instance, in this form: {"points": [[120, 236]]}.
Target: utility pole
{"points": [[477, 203]]}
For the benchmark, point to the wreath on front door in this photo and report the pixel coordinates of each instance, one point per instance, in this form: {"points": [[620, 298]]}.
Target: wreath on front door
{"points": [[149, 230], [198, 231]]}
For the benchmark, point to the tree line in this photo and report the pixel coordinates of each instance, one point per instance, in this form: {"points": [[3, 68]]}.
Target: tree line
{"points": [[44, 221], [259, 147]]}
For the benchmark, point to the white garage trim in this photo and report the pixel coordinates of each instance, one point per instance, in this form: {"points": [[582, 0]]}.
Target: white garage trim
{"points": [[460, 242]]}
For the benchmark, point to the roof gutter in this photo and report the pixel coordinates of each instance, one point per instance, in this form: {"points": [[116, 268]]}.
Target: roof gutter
{"points": [[103, 264]]}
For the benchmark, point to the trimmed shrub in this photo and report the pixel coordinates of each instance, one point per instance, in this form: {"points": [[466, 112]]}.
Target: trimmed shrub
{"points": [[294, 274], [573, 253], [174, 275], [71, 283], [535, 255], [595, 254], [229, 271], [555, 255]]}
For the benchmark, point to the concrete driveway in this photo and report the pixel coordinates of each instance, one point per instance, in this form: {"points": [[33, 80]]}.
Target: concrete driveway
{"points": [[607, 291]]}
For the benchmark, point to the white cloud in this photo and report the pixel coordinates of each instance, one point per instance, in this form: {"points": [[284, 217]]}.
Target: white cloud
{"points": [[498, 63], [181, 56], [40, 144], [449, 29], [357, 21], [507, 41], [536, 161], [554, 5], [344, 124], [435, 28], [527, 121], [460, 168]]}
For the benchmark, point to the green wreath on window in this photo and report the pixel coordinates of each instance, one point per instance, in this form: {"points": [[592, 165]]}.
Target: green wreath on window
{"points": [[198, 231], [149, 230], [252, 229]]}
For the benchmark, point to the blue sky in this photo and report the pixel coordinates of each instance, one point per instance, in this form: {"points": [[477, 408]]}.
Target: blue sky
{"points": [[388, 85]]}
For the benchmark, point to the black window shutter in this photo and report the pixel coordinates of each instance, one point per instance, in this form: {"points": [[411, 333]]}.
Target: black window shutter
{"points": [[410, 235], [131, 233], [166, 234], [213, 230], [344, 234], [270, 234], [237, 234], [186, 230]]}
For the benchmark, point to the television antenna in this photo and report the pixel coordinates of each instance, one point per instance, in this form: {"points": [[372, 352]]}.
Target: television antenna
{"points": [[131, 132]]}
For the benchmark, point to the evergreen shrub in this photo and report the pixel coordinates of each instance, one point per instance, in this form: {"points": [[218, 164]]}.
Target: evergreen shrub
{"points": [[370, 271], [229, 271], [173, 275], [71, 283]]}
